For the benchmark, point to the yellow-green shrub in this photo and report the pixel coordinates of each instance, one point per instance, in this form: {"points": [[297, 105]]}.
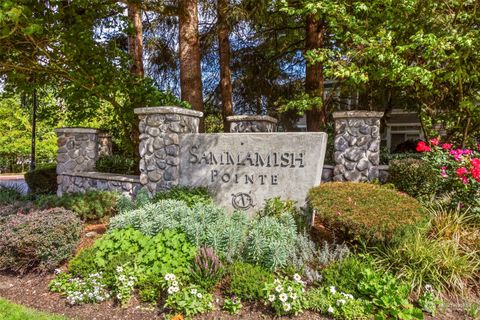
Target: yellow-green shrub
{"points": [[365, 212]]}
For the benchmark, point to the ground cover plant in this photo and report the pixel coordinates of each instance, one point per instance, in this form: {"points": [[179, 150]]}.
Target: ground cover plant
{"points": [[42, 180], [39, 240], [116, 164], [90, 205], [365, 212]]}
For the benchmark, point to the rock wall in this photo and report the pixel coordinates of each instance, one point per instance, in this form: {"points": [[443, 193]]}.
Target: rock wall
{"points": [[357, 145], [83, 181], [159, 144], [252, 124], [77, 149]]}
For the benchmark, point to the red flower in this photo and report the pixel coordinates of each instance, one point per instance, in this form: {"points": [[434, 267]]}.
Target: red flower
{"points": [[423, 147], [447, 146], [475, 162], [434, 141], [462, 171]]}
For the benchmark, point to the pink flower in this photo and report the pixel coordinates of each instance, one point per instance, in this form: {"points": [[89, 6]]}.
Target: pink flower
{"points": [[465, 180], [447, 146], [434, 141], [443, 173]]}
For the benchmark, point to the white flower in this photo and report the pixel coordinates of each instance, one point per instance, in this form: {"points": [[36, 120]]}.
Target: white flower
{"points": [[349, 296], [175, 283], [199, 295], [297, 277], [330, 310], [289, 289], [193, 291], [428, 288], [119, 269], [171, 290], [293, 296], [283, 297], [341, 301], [287, 307], [176, 289], [57, 271], [279, 288], [271, 298], [333, 290]]}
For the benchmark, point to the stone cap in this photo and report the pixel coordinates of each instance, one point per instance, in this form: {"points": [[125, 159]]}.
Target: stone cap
{"points": [[357, 114], [251, 118], [104, 176], [169, 110], [76, 130]]}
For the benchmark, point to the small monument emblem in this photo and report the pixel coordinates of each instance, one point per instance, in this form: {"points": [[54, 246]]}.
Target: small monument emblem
{"points": [[242, 201]]}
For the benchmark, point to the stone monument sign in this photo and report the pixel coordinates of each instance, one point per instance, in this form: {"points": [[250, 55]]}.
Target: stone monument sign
{"points": [[243, 170]]}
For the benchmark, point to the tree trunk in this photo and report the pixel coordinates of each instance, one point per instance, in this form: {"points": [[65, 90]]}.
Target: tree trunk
{"points": [[225, 72], [135, 49], [314, 82], [190, 71], [135, 40]]}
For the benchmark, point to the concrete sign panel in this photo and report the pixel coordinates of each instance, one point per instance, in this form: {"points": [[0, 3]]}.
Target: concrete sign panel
{"points": [[243, 170]]}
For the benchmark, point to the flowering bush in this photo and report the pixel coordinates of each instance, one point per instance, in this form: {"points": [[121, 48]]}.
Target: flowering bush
{"points": [[207, 268], [232, 305], [190, 300], [78, 291], [459, 169], [286, 296]]}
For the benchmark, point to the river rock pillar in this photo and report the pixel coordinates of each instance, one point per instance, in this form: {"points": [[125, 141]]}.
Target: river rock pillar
{"points": [[159, 148], [253, 123], [357, 145], [77, 149]]}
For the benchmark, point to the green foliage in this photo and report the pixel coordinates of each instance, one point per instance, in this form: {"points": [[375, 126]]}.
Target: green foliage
{"points": [[42, 180], [10, 311], [116, 164], [365, 212], [339, 305], [286, 295], [271, 242], [9, 195], [189, 301], [232, 305], [429, 301], [39, 241], [414, 177], [207, 269], [91, 205], [190, 195], [246, 281], [386, 296], [204, 224]]}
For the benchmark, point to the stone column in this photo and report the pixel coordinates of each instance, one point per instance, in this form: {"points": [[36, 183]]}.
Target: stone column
{"points": [[159, 144], [252, 123], [104, 144], [77, 149], [357, 145]]}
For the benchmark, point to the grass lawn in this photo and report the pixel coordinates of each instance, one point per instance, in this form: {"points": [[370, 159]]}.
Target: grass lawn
{"points": [[10, 311]]}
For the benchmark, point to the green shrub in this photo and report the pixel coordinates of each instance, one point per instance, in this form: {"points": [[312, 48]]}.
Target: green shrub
{"points": [[271, 242], [204, 224], [116, 164], [151, 258], [91, 205], [40, 240], [9, 195], [386, 297], [365, 212], [247, 281], [190, 195], [42, 180], [414, 177]]}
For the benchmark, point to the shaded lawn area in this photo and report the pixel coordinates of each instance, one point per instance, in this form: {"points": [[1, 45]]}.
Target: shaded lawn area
{"points": [[10, 311]]}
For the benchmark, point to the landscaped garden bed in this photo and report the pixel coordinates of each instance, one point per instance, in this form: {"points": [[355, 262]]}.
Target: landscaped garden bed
{"points": [[373, 251]]}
